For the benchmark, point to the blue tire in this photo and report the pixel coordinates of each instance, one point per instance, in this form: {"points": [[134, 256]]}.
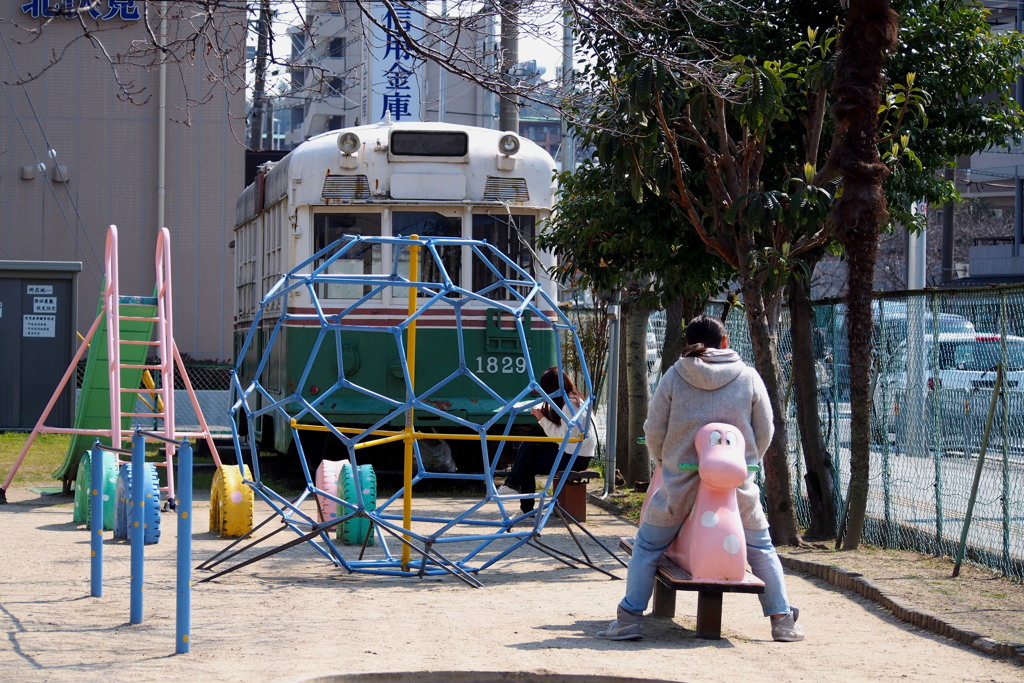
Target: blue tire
{"points": [[151, 503]]}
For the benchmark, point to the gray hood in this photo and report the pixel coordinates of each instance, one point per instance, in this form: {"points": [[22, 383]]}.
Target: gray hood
{"points": [[713, 370]]}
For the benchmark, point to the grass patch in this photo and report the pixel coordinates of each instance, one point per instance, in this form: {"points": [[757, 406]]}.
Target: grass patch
{"points": [[45, 456], [629, 503]]}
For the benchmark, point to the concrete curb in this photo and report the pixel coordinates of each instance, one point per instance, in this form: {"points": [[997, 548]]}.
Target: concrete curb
{"points": [[856, 583]]}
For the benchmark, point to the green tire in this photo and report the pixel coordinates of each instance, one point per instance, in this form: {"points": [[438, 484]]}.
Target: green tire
{"points": [[355, 531], [82, 510]]}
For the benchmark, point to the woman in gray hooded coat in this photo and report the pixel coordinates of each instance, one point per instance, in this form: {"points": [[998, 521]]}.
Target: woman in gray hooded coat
{"points": [[710, 383]]}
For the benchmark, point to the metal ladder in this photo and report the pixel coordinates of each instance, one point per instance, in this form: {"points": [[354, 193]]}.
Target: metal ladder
{"points": [[166, 351]]}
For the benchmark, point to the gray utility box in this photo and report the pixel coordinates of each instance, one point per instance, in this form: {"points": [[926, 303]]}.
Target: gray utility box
{"points": [[38, 300]]}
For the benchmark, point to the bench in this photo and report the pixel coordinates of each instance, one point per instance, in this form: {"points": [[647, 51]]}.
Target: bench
{"points": [[670, 578], [573, 496]]}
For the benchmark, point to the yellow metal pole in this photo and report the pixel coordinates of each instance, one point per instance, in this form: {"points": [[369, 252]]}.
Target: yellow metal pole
{"points": [[414, 267]]}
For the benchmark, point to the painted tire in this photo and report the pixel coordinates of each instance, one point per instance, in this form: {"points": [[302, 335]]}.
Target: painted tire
{"points": [[231, 502], [82, 508], [355, 530], [151, 503], [327, 481]]}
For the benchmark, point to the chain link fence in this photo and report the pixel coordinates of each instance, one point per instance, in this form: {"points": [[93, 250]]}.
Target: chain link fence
{"points": [[212, 385], [939, 357]]}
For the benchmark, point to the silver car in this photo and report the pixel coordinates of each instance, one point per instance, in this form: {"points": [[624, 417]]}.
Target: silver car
{"points": [[957, 377]]}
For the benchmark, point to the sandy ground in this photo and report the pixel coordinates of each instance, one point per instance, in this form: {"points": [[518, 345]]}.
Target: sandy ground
{"points": [[296, 617]]}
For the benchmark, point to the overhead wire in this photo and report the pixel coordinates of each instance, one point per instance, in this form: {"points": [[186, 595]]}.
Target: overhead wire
{"points": [[67, 220]]}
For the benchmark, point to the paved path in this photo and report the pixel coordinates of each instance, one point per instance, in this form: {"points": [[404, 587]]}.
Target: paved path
{"points": [[295, 617]]}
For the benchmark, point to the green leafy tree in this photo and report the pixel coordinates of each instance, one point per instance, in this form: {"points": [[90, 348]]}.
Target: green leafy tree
{"points": [[737, 99], [606, 240], [700, 132]]}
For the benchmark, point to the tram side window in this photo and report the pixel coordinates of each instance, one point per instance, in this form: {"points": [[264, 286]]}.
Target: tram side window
{"points": [[512, 235], [429, 224], [328, 227]]}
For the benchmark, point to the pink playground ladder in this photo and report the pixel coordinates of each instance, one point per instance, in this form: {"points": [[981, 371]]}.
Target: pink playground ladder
{"points": [[165, 350]]}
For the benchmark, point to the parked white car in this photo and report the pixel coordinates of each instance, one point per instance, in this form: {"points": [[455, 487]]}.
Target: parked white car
{"points": [[958, 374], [890, 323]]}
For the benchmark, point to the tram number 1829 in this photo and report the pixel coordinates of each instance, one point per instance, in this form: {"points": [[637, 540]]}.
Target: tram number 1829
{"points": [[500, 365]]}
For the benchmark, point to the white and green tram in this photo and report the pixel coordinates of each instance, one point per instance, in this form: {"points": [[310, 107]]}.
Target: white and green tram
{"points": [[392, 180]]}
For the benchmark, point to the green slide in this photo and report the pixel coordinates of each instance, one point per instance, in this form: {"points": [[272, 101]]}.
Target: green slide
{"points": [[93, 410]]}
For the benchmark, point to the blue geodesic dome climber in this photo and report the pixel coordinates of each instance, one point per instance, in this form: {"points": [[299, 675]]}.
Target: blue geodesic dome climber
{"points": [[402, 534]]}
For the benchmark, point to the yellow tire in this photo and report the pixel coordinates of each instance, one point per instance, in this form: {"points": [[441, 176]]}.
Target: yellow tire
{"points": [[231, 502]]}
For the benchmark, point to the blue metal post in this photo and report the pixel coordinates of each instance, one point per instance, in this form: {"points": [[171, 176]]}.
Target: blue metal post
{"points": [[184, 602], [136, 532], [96, 521]]}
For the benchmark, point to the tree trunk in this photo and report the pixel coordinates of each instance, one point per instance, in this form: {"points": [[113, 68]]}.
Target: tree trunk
{"points": [[637, 466], [870, 31], [818, 479], [777, 481], [677, 315]]}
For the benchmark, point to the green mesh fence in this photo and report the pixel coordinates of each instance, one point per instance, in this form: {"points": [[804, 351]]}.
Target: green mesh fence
{"points": [[936, 356]]}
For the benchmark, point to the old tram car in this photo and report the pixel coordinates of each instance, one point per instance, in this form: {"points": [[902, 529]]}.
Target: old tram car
{"points": [[392, 179]]}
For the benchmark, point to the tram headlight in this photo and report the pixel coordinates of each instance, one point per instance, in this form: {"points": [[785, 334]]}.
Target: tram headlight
{"points": [[508, 144], [348, 142]]}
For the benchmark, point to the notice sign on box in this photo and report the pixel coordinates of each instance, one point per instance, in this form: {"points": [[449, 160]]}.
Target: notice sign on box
{"points": [[39, 326], [44, 304]]}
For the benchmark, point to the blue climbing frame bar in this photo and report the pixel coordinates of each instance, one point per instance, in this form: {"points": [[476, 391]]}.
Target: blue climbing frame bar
{"points": [[96, 513], [137, 527], [183, 506], [184, 592], [96, 519]]}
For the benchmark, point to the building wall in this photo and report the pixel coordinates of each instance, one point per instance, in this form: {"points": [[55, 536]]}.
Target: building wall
{"points": [[110, 149]]}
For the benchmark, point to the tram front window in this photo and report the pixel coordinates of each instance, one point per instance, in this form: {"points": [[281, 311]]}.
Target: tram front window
{"points": [[360, 260], [514, 236], [429, 224]]}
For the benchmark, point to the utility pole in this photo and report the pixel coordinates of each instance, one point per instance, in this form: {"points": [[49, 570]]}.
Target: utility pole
{"points": [[568, 139], [1018, 182], [508, 116], [259, 88], [947, 235]]}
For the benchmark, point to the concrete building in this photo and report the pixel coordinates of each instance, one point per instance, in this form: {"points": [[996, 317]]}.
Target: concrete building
{"points": [[332, 80], [997, 177], [76, 157]]}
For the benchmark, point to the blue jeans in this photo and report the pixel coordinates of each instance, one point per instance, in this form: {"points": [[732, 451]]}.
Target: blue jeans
{"points": [[651, 541], [538, 457]]}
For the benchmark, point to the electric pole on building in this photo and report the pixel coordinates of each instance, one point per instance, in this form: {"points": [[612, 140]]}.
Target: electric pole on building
{"points": [[259, 88]]}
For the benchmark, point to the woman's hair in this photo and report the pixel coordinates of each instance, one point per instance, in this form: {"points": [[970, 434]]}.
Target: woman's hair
{"points": [[703, 333], [549, 382]]}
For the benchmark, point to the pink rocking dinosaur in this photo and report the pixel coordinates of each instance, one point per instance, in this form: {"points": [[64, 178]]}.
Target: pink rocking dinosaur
{"points": [[711, 545]]}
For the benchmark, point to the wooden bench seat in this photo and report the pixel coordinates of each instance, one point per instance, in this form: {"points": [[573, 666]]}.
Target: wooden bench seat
{"points": [[670, 578]]}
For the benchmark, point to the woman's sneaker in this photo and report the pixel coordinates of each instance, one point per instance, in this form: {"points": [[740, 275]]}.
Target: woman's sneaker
{"points": [[785, 629], [507, 491], [627, 626]]}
